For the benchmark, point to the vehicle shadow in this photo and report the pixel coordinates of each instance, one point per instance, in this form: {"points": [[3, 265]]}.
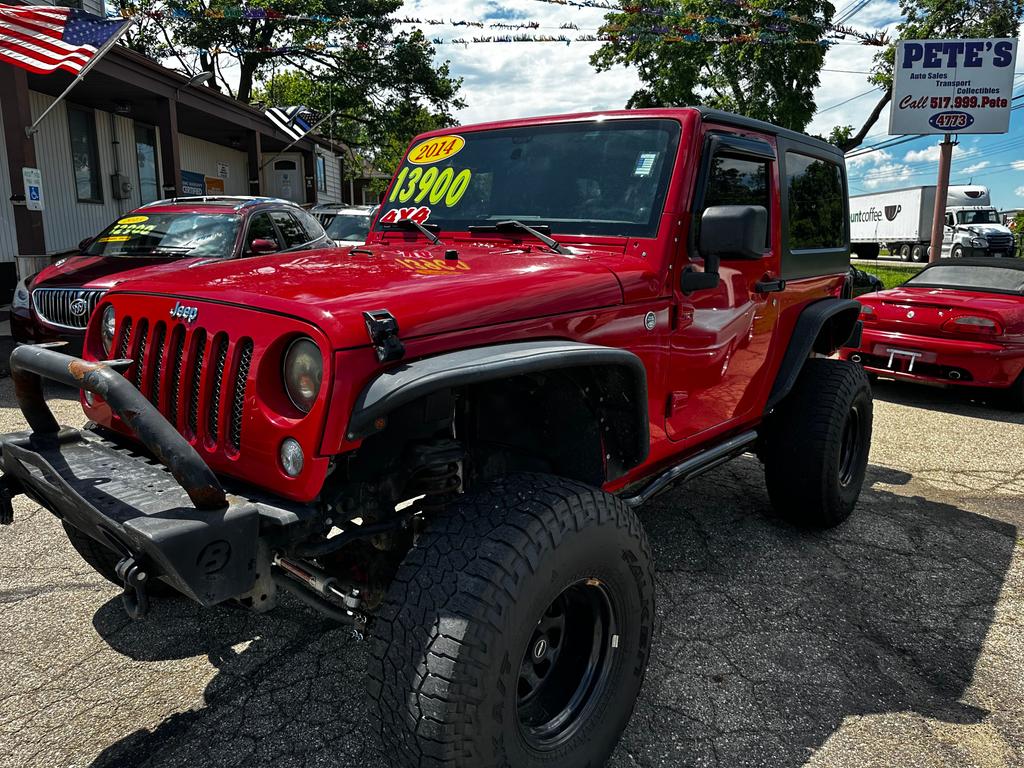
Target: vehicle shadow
{"points": [[768, 638], [964, 401]]}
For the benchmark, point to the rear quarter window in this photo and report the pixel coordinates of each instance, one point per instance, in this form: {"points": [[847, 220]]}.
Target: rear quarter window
{"points": [[816, 203]]}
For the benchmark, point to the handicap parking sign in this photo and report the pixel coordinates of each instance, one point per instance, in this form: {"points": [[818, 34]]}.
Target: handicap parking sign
{"points": [[33, 181]]}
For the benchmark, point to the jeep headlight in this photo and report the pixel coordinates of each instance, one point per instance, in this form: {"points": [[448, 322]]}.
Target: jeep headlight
{"points": [[979, 242], [107, 324], [20, 300], [303, 372]]}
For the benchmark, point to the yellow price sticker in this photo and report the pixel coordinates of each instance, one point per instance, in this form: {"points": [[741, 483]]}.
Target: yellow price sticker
{"points": [[133, 220], [117, 239], [436, 149]]}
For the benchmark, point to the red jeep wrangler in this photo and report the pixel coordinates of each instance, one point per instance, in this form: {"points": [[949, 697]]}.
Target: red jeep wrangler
{"points": [[446, 433]]}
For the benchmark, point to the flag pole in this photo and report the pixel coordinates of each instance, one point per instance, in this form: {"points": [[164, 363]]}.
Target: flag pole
{"points": [[33, 129], [307, 133]]}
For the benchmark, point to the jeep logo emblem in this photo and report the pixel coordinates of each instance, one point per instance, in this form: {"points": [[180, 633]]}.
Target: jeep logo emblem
{"points": [[79, 307], [188, 314]]}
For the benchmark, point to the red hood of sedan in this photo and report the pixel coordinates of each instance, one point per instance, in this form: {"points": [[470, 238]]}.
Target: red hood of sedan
{"points": [[489, 283], [104, 272]]}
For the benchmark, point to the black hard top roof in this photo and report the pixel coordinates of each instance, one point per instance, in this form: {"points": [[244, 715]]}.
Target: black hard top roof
{"points": [[728, 118]]}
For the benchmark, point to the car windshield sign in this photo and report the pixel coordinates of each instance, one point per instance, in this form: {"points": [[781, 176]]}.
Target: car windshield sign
{"points": [[590, 178], [978, 278], [206, 235]]}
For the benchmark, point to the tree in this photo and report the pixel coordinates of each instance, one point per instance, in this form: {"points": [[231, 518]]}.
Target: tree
{"points": [[354, 41], [924, 19], [380, 102], [771, 81]]}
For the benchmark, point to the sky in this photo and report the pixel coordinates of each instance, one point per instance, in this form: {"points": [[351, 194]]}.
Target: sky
{"points": [[503, 81]]}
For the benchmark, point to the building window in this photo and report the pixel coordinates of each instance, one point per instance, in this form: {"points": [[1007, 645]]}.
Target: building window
{"points": [[85, 156], [145, 151], [817, 217], [321, 173]]}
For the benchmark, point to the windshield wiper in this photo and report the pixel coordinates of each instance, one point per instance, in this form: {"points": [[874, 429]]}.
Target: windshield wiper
{"points": [[513, 225], [410, 224]]}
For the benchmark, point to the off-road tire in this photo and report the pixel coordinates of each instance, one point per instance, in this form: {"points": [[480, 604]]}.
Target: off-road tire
{"points": [[813, 473], [452, 634], [104, 561]]}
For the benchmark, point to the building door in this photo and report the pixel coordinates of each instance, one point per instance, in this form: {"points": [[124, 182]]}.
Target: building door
{"points": [[284, 179]]}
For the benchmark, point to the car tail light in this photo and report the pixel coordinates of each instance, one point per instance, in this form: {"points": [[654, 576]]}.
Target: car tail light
{"points": [[867, 312], [983, 326]]}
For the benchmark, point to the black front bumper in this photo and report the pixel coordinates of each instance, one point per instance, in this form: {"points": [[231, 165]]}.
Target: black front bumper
{"points": [[166, 515]]}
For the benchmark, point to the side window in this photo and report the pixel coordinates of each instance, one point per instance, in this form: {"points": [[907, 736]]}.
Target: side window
{"points": [[740, 181], [262, 228], [292, 232], [816, 199], [949, 220], [314, 230]]}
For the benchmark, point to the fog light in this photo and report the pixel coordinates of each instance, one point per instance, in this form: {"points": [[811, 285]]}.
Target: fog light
{"points": [[291, 457]]}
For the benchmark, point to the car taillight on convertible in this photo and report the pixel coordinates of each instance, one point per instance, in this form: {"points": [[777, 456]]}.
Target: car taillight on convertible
{"points": [[982, 326], [867, 313]]}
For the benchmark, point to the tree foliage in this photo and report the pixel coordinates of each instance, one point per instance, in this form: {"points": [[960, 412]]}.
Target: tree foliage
{"points": [[928, 19], [769, 81]]}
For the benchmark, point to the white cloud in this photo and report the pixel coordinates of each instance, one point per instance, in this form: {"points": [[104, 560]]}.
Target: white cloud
{"points": [[877, 169], [1017, 165], [928, 154], [976, 167], [1019, 191]]}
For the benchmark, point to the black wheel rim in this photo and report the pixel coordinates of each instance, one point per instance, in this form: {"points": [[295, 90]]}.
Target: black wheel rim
{"points": [[849, 451], [566, 664]]}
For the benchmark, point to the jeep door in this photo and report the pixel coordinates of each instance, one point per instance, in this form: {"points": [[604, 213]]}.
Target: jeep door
{"points": [[721, 339]]}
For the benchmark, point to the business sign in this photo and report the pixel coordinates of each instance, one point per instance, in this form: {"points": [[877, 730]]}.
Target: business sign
{"points": [[223, 170], [953, 86], [33, 181], [193, 184], [214, 185]]}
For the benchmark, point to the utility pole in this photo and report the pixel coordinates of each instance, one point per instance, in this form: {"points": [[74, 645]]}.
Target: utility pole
{"points": [[941, 191]]}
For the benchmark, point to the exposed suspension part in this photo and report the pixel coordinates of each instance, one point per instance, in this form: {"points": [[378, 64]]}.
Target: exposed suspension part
{"points": [[438, 474]]}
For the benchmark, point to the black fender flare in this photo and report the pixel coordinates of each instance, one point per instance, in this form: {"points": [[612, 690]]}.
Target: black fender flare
{"points": [[408, 382], [837, 318]]}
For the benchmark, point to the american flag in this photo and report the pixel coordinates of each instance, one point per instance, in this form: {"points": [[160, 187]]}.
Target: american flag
{"points": [[44, 38]]}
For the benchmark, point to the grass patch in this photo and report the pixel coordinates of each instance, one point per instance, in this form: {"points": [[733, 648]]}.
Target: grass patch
{"points": [[891, 276]]}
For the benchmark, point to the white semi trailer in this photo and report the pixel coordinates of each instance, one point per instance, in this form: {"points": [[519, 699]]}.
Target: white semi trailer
{"points": [[901, 220]]}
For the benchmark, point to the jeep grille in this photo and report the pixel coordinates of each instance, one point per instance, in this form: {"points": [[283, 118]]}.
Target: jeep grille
{"points": [[173, 376], [65, 307]]}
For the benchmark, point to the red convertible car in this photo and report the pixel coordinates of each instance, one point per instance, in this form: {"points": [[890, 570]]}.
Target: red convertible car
{"points": [[956, 323]]}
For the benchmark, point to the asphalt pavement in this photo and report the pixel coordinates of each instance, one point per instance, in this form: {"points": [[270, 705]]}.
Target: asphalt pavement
{"points": [[895, 640]]}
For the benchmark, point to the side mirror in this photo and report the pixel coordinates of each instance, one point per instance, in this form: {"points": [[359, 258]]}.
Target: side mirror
{"points": [[85, 244], [726, 231], [733, 231], [261, 246]]}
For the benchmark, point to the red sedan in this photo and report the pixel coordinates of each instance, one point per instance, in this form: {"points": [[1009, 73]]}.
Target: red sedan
{"points": [[955, 322]]}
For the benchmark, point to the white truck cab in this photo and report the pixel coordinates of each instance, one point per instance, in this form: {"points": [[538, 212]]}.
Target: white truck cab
{"points": [[973, 226]]}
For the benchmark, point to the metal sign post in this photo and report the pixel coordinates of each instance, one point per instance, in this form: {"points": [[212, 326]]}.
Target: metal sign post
{"points": [[941, 191], [951, 87]]}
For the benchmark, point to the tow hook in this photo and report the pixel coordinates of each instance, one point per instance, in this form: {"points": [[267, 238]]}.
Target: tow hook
{"points": [[9, 488], [135, 597]]}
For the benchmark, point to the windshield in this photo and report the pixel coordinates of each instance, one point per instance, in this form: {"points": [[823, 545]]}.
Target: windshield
{"points": [[981, 278], [977, 217], [169, 234], [352, 228], [592, 178]]}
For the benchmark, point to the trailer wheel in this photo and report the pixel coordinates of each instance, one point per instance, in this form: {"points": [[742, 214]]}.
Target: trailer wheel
{"points": [[905, 252], [919, 253]]}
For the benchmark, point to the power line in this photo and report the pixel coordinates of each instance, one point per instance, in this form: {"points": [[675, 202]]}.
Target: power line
{"points": [[852, 98]]}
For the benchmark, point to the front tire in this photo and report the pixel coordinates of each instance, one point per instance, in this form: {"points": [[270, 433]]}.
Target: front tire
{"points": [[517, 630], [957, 252], [816, 444]]}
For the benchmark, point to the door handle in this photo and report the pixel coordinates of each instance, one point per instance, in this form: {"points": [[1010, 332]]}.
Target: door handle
{"points": [[770, 286]]}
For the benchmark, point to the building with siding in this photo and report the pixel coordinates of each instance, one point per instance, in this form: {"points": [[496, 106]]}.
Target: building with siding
{"points": [[132, 132]]}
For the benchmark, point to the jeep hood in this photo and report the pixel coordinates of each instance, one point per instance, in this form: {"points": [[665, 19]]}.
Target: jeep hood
{"points": [[428, 293]]}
